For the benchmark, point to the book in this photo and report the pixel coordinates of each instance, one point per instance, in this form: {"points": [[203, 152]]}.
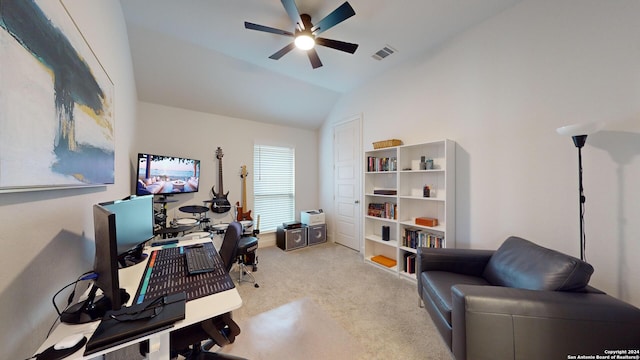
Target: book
{"points": [[383, 260], [385, 192]]}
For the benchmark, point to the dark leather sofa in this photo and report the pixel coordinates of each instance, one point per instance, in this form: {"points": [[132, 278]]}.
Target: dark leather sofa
{"points": [[522, 301]]}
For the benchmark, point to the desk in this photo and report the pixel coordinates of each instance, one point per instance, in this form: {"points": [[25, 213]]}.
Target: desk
{"points": [[196, 311]]}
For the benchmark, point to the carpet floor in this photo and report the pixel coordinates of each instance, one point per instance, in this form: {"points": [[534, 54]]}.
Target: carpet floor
{"points": [[377, 309]]}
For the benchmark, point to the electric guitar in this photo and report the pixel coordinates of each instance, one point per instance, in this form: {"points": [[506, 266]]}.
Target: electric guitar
{"points": [[219, 203], [243, 215]]}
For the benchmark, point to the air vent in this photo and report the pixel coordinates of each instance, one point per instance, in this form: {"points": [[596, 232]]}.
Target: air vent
{"points": [[384, 52]]}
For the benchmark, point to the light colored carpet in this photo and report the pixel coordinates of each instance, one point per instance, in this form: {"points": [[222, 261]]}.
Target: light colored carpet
{"points": [[376, 309]]}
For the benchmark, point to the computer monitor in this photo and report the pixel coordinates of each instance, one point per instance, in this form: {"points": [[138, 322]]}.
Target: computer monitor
{"points": [[106, 267], [134, 226], [106, 260]]}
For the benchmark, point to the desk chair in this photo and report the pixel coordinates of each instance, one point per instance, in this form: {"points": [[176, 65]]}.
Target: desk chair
{"points": [[220, 330]]}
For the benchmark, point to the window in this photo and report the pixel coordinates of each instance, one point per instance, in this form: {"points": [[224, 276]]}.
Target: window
{"points": [[274, 185]]}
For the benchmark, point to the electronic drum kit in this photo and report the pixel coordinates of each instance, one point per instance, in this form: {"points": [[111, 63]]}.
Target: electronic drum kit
{"points": [[199, 219], [215, 232], [187, 225]]}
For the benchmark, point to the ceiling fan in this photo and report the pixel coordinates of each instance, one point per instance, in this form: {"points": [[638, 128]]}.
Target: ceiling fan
{"points": [[305, 33]]}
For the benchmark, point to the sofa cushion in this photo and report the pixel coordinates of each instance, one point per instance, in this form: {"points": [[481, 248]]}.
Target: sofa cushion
{"points": [[519, 263], [438, 285]]}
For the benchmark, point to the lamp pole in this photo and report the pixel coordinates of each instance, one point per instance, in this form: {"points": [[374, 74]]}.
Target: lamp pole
{"points": [[579, 141], [578, 133]]}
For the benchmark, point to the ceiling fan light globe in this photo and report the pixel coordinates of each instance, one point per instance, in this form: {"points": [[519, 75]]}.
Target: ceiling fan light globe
{"points": [[304, 42]]}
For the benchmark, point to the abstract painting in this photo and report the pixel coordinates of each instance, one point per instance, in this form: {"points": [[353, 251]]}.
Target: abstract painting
{"points": [[56, 101]]}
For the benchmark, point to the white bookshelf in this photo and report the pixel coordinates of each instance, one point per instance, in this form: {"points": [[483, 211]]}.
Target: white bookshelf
{"points": [[402, 184]]}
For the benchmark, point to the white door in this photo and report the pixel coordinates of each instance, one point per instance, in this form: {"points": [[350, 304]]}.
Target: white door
{"points": [[346, 179]]}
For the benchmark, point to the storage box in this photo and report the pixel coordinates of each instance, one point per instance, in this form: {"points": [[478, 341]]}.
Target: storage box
{"points": [[291, 239], [386, 143], [316, 234], [383, 260], [312, 217], [426, 221]]}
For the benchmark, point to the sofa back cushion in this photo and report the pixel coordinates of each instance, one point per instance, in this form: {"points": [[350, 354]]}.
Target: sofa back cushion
{"points": [[519, 263]]}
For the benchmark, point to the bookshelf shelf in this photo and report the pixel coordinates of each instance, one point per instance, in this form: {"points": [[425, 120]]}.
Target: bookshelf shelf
{"points": [[378, 239], [408, 276], [381, 196], [393, 269], [408, 249], [421, 198], [393, 171]]}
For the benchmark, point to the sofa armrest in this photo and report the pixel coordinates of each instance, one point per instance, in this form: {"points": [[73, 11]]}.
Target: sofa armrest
{"points": [[508, 323], [461, 261]]}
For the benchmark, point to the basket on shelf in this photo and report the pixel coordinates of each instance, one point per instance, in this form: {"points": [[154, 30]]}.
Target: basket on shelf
{"points": [[386, 143]]}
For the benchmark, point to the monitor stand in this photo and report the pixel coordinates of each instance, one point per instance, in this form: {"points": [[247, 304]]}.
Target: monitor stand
{"points": [[87, 310], [163, 199], [132, 257], [90, 309]]}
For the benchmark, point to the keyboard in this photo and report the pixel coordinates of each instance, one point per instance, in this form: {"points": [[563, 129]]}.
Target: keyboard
{"points": [[166, 273], [198, 260]]}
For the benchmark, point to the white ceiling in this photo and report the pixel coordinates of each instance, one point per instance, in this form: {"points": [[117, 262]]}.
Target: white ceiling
{"points": [[197, 55]]}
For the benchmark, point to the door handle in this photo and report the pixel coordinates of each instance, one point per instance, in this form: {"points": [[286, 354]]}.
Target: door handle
{"points": [[357, 202]]}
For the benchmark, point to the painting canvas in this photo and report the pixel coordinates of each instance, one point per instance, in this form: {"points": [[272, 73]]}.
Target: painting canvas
{"points": [[56, 101]]}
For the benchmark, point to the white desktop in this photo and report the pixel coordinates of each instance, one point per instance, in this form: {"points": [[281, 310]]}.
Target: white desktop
{"points": [[196, 311]]}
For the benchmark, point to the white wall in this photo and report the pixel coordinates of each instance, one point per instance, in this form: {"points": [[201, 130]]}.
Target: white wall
{"points": [[172, 131], [47, 236], [500, 90]]}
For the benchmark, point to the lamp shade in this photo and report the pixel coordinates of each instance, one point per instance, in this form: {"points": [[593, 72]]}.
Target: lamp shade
{"points": [[304, 42], [580, 129]]}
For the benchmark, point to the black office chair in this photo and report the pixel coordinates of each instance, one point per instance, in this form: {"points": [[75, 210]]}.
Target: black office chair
{"points": [[220, 330], [229, 248]]}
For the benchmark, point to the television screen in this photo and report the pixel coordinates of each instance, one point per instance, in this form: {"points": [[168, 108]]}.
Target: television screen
{"points": [[166, 175], [134, 221]]}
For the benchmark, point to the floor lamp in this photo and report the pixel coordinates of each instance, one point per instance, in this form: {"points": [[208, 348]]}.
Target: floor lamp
{"points": [[579, 133]]}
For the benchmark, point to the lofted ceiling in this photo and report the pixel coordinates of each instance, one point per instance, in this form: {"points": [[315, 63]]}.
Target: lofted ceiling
{"points": [[197, 55]]}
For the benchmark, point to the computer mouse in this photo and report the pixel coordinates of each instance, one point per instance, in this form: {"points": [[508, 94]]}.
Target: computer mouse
{"points": [[68, 342]]}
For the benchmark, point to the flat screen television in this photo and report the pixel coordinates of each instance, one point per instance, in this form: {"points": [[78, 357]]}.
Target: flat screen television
{"points": [[166, 175], [134, 226]]}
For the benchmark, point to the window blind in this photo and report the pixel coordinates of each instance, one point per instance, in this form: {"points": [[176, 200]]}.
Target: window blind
{"points": [[274, 185]]}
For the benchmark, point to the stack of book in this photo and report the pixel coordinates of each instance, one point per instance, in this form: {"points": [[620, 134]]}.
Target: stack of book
{"points": [[410, 263], [419, 238], [381, 163], [385, 210]]}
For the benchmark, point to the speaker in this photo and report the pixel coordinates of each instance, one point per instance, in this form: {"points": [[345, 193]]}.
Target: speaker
{"points": [[291, 239], [316, 234], [385, 233]]}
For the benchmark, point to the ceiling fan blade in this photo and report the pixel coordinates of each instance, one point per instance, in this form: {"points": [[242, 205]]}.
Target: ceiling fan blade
{"points": [[282, 52], [268, 29], [338, 45], [292, 11], [342, 13], [314, 58]]}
